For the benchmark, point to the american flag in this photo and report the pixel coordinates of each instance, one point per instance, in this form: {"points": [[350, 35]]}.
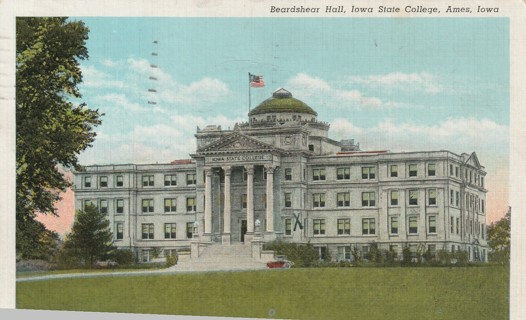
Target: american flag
{"points": [[256, 81]]}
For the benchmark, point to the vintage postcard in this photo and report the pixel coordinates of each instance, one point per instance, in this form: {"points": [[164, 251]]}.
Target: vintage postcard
{"points": [[265, 159]]}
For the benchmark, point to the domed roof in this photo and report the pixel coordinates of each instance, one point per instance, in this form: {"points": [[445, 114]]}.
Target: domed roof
{"points": [[282, 101]]}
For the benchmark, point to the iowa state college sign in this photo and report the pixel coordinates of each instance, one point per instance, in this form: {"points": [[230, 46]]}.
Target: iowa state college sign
{"points": [[238, 158]]}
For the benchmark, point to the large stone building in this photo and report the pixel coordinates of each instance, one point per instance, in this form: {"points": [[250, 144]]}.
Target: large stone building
{"points": [[281, 173]]}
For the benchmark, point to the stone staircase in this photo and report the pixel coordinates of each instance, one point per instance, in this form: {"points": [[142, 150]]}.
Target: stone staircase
{"points": [[219, 257]]}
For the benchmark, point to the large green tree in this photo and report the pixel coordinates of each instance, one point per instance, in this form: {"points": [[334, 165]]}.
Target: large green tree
{"points": [[91, 238], [51, 130], [499, 239]]}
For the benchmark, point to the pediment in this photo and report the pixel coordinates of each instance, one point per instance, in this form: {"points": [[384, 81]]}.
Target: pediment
{"points": [[473, 161], [236, 142]]}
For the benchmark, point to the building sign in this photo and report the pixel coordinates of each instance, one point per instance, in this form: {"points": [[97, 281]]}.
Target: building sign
{"points": [[238, 158]]}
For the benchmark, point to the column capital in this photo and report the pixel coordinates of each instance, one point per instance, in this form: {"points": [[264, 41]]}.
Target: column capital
{"points": [[250, 169], [270, 168], [208, 172], [227, 170]]}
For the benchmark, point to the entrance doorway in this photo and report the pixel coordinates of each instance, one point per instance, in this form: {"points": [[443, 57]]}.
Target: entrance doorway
{"points": [[243, 230]]}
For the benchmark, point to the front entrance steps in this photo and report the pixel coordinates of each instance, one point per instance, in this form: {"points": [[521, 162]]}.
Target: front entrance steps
{"points": [[224, 257]]}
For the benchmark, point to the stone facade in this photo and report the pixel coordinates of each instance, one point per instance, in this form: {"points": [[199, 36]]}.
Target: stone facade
{"points": [[280, 172]]}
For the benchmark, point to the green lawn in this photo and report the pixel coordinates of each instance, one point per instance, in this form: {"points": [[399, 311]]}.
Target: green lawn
{"points": [[318, 293]]}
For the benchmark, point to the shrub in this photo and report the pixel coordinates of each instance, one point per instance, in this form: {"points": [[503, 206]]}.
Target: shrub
{"points": [[357, 256], [406, 256], [171, 260], [123, 257], [303, 255], [462, 258]]}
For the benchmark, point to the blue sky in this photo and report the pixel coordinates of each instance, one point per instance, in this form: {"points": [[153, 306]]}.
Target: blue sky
{"points": [[395, 84]]}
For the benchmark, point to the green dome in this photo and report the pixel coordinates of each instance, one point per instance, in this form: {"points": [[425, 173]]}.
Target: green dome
{"points": [[282, 101]]}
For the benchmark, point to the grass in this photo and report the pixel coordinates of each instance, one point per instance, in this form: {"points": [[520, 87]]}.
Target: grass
{"points": [[317, 293]]}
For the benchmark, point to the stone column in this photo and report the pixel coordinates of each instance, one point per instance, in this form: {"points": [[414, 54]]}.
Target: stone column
{"points": [[208, 201], [270, 199], [227, 206], [250, 199]]}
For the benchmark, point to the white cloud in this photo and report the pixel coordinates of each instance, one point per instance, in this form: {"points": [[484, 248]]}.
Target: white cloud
{"points": [[120, 100], [484, 136], [399, 80], [94, 78], [111, 63], [203, 92], [320, 91]]}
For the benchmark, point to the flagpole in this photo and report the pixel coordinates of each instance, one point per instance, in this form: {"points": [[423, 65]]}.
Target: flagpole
{"points": [[249, 94]]}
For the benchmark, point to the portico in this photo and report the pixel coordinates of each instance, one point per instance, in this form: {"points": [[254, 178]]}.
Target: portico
{"points": [[223, 187]]}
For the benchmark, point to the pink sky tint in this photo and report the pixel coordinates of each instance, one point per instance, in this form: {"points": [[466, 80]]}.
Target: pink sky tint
{"points": [[66, 211], [498, 195]]}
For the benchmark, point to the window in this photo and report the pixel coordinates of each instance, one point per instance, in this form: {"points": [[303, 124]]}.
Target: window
{"points": [[245, 174], [170, 205], [432, 197], [318, 226], [413, 172], [431, 169], [344, 199], [318, 174], [394, 197], [103, 181], [189, 230], [318, 200], [87, 182], [344, 226], [288, 174], [432, 248], [432, 224], [393, 171], [311, 147], [288, 200], [147, 181], [147, 231], [145, 255], [244, 201], [103, 206], [322, 252], [368, 199], [368, 173], [147, 205], [394, 225], [343, 173], [368, 226], [190, 179], [170, 180], [288, 227], [452, 225], [119, 231], [344, 253], [170, 252], [119, 181], [482, 206], [482, 182], [458, 225], [451, 197], [451, 173], [190, 204], [119, 204], [413, 197], [456, 172], [413, 225], [170, 230], [457, 198], [87, 203]]}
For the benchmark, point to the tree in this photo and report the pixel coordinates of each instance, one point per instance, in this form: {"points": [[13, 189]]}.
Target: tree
{"points": [[499, 239], [51, 130], [91, 238]]}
